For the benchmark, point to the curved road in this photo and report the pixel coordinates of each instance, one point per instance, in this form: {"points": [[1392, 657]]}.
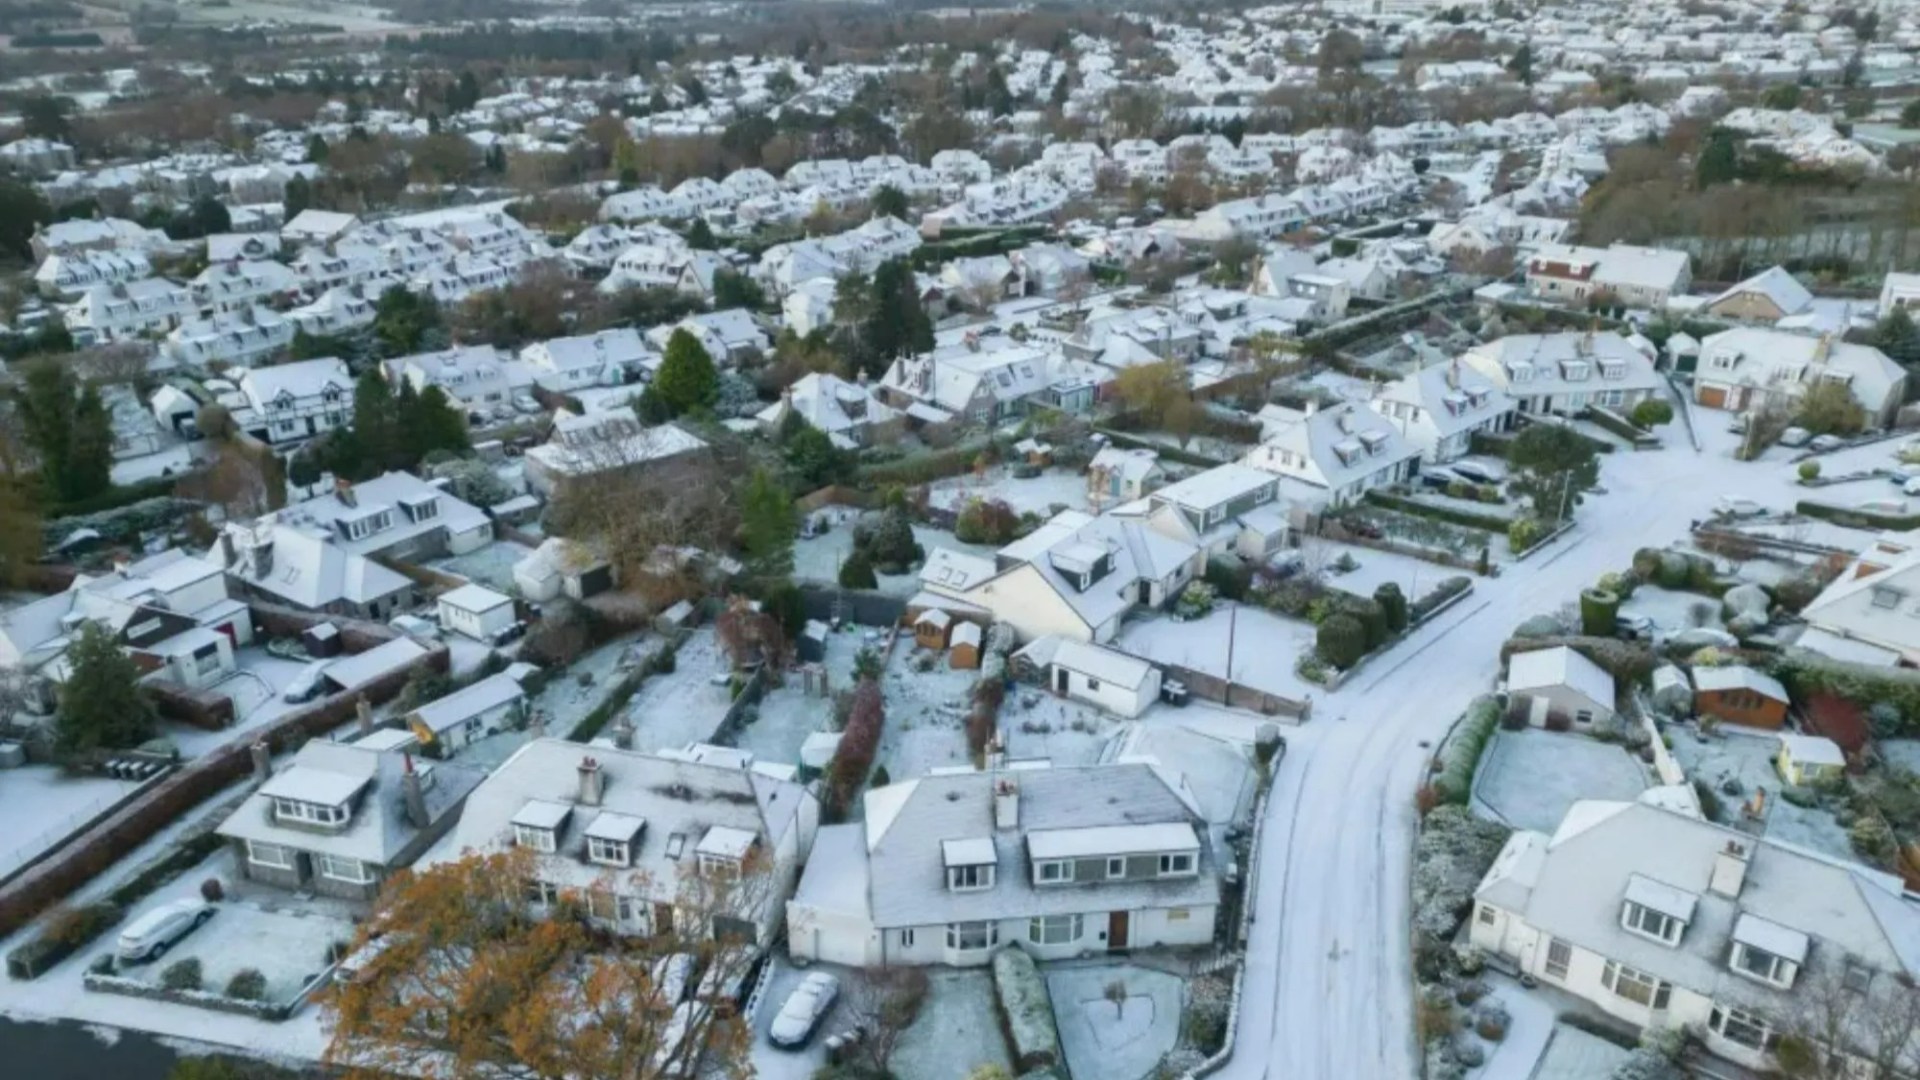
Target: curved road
{"points": [[1328, 989]]}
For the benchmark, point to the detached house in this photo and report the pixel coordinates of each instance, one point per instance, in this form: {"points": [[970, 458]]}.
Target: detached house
{"points": [[289, 403], [299, 565], [1662, 920], [1065, 862], [635, 833], [607, 358], [1440, 407], [1639, 277], [476, 379], [846, 412], [1331, 457], [1749, 369], [1871, 612], [395, 515], [343, 817]]}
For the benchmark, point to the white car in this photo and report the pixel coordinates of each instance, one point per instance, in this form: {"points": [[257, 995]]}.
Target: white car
{"points": [[1796, 436], [805, 1008], [672, 974], [1480, 472], [1736, 507], [308, 684], [152, 934], [1824, 443], [1889, 507]]}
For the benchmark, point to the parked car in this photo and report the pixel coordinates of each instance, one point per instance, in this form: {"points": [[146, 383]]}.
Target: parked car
{"points": [[308, 684], [1638, 627], [1796, 436], [1739, 424], [152, 934], [1287, 563], [1824, 443], [1440, 477], [1911, 487], [1889, 507], [805, 1008], [1360, 527], [1735, 506], [1902, 475], [1480, 472]]}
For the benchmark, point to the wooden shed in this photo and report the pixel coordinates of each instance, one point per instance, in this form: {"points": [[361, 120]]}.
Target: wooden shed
{"points": [[1738, 694], [965, 654], [931, 628]]}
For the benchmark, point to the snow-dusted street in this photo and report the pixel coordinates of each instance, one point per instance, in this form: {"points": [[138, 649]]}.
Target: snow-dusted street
{"points": [[1328, 991]]}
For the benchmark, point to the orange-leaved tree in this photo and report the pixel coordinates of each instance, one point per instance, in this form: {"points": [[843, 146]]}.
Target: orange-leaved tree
{"points": [[483, 967]]}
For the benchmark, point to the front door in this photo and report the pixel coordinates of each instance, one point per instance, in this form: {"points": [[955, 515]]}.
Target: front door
{"points": [[1117, 930], [1060, 680]]}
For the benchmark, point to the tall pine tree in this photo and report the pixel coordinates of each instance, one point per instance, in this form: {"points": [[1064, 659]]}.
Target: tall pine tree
{"points": [[101, 707], [687, 379], [68, 428], [376, 429]]}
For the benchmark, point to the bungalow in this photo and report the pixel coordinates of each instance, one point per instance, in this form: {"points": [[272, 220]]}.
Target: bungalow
{"points": [[1867, 614], [633, 833], [1122, 685], [848, 413], [1121, 475], [232, 336], [1440, 408], [597, 444], [1331, 457], [1767, 297], [395, 515], [342, 817], [1665, 921], [451, 723], [607, 358], [1559, 686], [299, 565], [1227, 510], [947, 868], [728, 336], [476, 379]]}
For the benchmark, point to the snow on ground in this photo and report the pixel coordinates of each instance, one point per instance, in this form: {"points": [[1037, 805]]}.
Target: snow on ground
{"points": [[818, 559], [1528, 1032], [773, 1063], [926, 716], [1416, 577], [491, 565], [1573, 1054], [957, 1031], [287, 944], [1053, 487], [1120, 1042], [566, 699], [1264, 646], [1672, 610], [41, 804], [1902, 752], [1529, 778], [686, 704], [255, 689], [788, 714], [172, 461], [465, 656], [1746, 759], [1040, 725]]}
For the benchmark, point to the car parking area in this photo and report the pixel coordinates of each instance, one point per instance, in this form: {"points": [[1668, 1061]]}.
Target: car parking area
{"points": [[288, 947]]}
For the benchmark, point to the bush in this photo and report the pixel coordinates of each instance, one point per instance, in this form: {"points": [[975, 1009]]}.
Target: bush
{"points": [[1651, 413], [1460, 755], [182, 975], [1440, 594], [1393, 605], [857, 572], [1196, 600], [1370, 616], [986, 521], [1523, 533], [247, 984], [1341, 641], [1598, 608], [212, 891], [1453, 853], [1809, 470]]}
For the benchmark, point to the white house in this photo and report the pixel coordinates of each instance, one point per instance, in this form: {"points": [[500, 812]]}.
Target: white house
{"points": [[1122, 685], [233, 336], [289, 403], [1663, 920], [1440, 407], [630, 832], [846, 412], [1869, 613], [1333, 456], [299, 565], [458, 719], [1639, 277], [1119, 474], [947, 868], [598, 443], [476, 611], [1560, 685], [1566, 372], [476, 379], [396, 515], [107, 313], [1754, 368], [607, 358]]}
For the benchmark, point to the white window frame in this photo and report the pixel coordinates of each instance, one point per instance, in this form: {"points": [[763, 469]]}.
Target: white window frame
{"points": [[314, 813], [1486, 915], [1616, 975], [538, 839], [1559, 959], [1063, 871], [906, 938], [332, 867], [1116, 860], [1047, 929], [974, 878], [1650, 924], [985, 934], [1779, 970], [271, 856], [1725, 1018], [1179, 864], [607, 852]]}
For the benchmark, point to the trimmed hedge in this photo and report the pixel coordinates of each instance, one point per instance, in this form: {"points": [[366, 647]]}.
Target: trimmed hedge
{"points": [[1027, 1010], [1449, 514], [926, 467], [1460, 757], [1856, 519], [1805, 674], [116, 497], [1439, 594], [1618, 424]]}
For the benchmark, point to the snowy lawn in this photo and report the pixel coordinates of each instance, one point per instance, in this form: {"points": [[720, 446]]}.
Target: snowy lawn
{"points": [[491, 565], [686, 704], [255, 689], [818, 559], [926, 715], [1529, 778], [1902, 752], [1037, 495], [1673, 611], [566, 699], [1264, 646], [1375, 568], [957, 1030], [1737, 763], [1121, 1042], [1040, 725], [287, 945], [41, 804], [1573, 1054], [1530, 1027], [788, 715], [172, 461]]}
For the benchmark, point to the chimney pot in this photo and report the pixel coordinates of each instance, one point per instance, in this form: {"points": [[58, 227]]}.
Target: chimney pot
{"points": [[412, 795], [363, 712], [1006, 804], [1730, 868], [262, 760], [592, 784]]}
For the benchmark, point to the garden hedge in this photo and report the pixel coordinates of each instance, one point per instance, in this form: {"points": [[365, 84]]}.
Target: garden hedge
{"points": [[1452, 515], [1460, 757], [1858, 519], [1805, 674]]}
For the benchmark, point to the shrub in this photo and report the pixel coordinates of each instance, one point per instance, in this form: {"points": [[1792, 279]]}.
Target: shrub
{"points": [[1196, 600], [1598, 608], [1449, 859], [858, 744], [1439, 594], [1652, 413], [986, 521], [1523, 533], [212, 891], [1341, 641], [247, 984], [857, 572], [1370, 616], [1393, 604], [72, 927], [182, 975], [1809, 470], [1469, 1053], [1460, 755]]}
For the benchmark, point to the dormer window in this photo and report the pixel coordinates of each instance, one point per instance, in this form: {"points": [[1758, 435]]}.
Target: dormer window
{"points": [[1651, 923], [1179, 864], [1887, 596], [969, 878], [608, 852], [534, 837], [537, 825], [1053, 872], [311, 813], [1656, 910], [1766, 951]]}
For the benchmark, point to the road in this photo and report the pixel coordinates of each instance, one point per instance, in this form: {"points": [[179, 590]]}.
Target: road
{"points": [[1328, 989]]}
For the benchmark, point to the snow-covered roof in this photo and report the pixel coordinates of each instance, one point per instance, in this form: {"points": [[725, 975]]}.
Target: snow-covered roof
{"points": [[1812, 749], [363, 668], [1560, 666], [1708, 680], [1098, 840], [475, 598], [445, 713]]}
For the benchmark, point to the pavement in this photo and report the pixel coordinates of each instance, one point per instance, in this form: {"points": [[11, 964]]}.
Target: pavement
{"points": [[1329, 987]]}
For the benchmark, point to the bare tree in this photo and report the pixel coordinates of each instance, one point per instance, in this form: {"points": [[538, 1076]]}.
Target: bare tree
{"points": [[884, 1003], [1851, 1023]]}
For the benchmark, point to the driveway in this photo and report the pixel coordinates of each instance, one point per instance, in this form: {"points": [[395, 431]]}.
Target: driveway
{"points": [[1329, 986]]}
